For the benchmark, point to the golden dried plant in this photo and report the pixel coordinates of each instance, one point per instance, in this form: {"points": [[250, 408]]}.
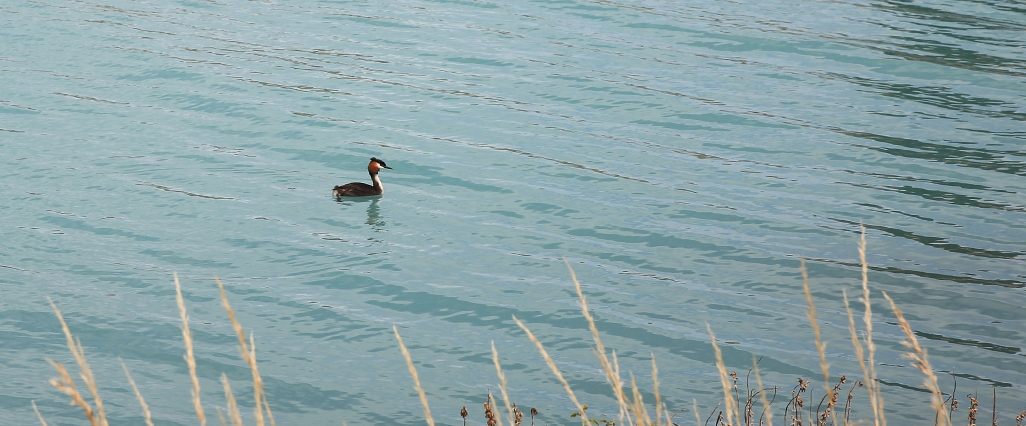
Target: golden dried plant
{"points": [[611, 369], [142, 401], [820, 345], [248, 353], [922, 363], [762, 394], [729, 404], [502, 385], [872, 384], [233, 408], [190, 360], [65, 384], [38, 414], [416, 379], [555, 370]]}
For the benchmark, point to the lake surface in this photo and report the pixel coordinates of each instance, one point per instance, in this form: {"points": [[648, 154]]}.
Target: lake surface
{"points": [[681, 156]]}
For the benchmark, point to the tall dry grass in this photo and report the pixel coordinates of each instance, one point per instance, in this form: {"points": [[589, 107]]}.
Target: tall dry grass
{"points": [[820, 345], [97, 417], [416, 379], [767, 413], [190, 360], [631, 407], [66, 384], [142, 401], [555, 370], [248, 352], [729, 402], [502, 386], [872, 384], [611, 369], [922, 363]]}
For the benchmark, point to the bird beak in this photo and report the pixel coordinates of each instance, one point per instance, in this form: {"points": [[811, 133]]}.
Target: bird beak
{"points": [[389, 168]]}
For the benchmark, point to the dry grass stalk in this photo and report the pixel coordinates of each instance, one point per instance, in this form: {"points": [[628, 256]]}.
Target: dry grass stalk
{"points": [[256, 372], [872, 385], [416, 379], [138, 395], [820, 346], [922, 363], [762, 394], [694, 407], [555, 370], [267, 407], [65, 384], [41, 419], [220, 416], [857, 344], [75, 346], [655, 389], [90, 381], [638, 407], [624, 407], [730, 405], [613, 375], [233, 407], [502, 384], [248, 353], [494, 418], [190, 360]]}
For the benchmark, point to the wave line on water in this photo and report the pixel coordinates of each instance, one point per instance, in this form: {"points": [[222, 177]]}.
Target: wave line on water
{"points": [[191, 194]]}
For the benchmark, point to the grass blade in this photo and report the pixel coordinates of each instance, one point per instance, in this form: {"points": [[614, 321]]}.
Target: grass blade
{"points": [[142, 402], [190, 360], [555, 370], [416, 379]]}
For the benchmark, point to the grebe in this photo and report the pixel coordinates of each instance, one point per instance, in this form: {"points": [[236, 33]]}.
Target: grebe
{"points": [[360, 189]]}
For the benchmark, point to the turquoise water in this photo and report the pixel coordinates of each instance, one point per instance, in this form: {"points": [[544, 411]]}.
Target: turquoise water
{"points": [[681, 156]]}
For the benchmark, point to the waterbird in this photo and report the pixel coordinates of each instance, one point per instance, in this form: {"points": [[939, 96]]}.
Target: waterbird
{"points": [[360, 189]]}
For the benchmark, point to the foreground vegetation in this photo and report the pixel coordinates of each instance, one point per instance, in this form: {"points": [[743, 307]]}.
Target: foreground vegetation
{"points": [[800, 408]]}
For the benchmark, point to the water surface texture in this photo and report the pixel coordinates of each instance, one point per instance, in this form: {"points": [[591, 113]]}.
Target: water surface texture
{"points": [[681, 156]]}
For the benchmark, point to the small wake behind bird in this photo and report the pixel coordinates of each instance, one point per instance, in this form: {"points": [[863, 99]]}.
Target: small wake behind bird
{"points": [[360, 189]]}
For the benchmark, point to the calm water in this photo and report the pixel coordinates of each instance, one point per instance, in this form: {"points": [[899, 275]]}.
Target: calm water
{"points": [[682, 156]]}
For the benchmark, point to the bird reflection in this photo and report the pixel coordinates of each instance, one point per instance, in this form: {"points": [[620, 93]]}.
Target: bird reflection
{"points": [[374, 214], [374, 218]]}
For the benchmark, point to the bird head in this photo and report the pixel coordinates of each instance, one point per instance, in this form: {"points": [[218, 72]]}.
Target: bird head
{"points": [[375, 165]]}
